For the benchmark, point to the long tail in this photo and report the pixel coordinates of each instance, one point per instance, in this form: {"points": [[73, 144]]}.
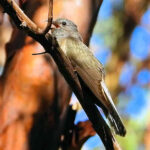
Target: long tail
{"points": [[113, 115], [116, 123]]}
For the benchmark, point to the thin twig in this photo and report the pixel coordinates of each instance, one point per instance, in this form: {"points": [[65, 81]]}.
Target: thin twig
{"points": [[50, 17], [39, 53]]}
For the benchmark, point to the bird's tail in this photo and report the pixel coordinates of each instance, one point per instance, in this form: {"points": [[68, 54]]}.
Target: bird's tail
{"points": [[113, 116], [116, 123]]}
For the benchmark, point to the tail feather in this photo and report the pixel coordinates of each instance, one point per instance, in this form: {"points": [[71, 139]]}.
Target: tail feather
{"points": [[113, 116], [116, 123]]}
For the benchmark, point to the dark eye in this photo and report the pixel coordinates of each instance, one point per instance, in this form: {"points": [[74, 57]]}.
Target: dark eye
{"points": [[64, 23]]}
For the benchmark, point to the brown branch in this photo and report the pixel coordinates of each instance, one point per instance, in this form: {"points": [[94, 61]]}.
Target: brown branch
{"points": [[51, 46], [50, 17], [25, 22]]}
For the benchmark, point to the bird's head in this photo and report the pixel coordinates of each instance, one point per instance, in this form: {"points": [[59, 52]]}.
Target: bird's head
{"points": [[65, 24], [65, 28]]}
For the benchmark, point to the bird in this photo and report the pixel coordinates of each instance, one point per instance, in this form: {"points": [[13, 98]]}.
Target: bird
{"points": [[88, 68]]}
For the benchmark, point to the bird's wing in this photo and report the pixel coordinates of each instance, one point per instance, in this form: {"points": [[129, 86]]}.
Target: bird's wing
{"points": [[88, 67], [92, 73]]}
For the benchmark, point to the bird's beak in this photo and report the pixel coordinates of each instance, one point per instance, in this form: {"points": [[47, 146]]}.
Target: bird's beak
{"points": [[55, 24]]}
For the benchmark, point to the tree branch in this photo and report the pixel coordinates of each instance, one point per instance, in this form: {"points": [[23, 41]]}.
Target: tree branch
{"points": [[18, 16], [51, 46], [50, 16]]}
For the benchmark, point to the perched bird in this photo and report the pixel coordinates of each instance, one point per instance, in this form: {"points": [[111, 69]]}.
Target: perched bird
{"points": [[88, 68]]}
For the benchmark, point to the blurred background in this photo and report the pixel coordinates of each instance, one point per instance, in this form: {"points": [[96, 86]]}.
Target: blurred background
{"points": [[121, 41]]}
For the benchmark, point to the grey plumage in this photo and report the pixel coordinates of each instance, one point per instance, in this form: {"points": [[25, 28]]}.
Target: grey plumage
{"points": [[88, 68]]}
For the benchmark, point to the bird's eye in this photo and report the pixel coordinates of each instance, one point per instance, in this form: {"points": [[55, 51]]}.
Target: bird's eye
{"points": [[63, 23]]}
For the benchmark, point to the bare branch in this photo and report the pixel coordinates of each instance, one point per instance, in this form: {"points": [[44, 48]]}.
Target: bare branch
{"points": [[25, 21], [50, 16]]}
